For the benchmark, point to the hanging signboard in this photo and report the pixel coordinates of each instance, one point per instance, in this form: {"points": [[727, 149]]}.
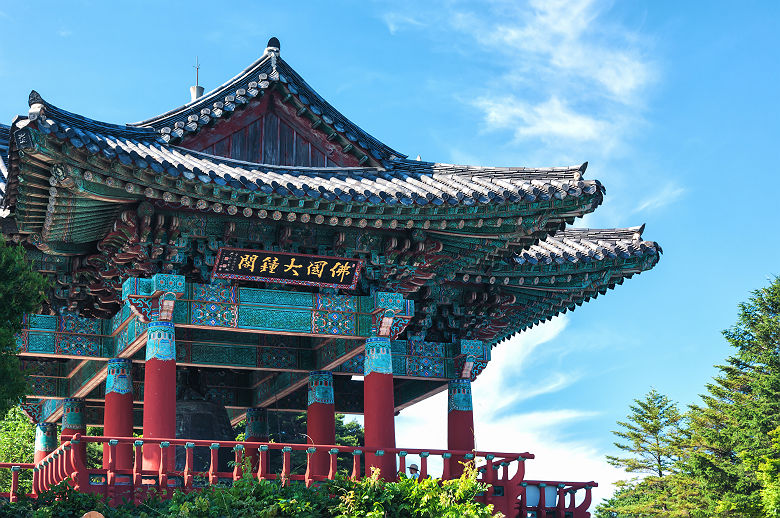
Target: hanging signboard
{"points": [[286, 268]]}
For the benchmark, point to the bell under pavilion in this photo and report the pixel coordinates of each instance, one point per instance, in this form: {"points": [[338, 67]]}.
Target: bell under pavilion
{"points": [[256, 250]]}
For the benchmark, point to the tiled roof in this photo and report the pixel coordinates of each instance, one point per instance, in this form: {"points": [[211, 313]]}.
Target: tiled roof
{"points": [[585, 245], [405, 182], [237, 93]]}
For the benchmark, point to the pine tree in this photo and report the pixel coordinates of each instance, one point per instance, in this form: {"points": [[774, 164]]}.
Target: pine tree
{"points": [[730, 431], [651, 435], [21, 291]]}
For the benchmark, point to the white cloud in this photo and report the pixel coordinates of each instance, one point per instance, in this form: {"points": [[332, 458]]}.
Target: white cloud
{"points": [[558, 456], [670, 193], [551, 119], [64, 33], [397, 21]]}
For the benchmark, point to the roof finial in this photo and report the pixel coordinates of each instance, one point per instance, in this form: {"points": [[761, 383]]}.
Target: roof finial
{"points": [[273, 44], [197, 90], [272, 50]]}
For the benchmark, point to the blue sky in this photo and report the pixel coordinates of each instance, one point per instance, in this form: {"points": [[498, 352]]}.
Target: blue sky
{"points": [[674, 105]]}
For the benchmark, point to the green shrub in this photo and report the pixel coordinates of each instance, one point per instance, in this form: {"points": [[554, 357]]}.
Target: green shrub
{"points": [[341, 498]]}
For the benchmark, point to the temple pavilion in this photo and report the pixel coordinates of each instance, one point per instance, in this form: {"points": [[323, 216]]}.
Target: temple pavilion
{"points": [[257, 248]]}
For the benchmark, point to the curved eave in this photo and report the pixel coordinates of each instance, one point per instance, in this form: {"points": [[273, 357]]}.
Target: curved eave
{"points": [[536, 291], [406, 183]]}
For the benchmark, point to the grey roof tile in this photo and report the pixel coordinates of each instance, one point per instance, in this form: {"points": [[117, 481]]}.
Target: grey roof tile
{"points": [[588, 244], [407, 182]]}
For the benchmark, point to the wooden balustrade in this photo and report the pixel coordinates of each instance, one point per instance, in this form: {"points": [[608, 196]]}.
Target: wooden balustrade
{"points": [[509, 494]]}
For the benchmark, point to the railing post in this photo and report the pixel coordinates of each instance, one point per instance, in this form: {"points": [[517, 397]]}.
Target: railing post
{"points": [[238, 468], [523, 499], [310, 451], [356, 464], [111, 471], [582, 510], [504, 471], [77, 453], [402, 462], [188, 463], [36, 488], [51, 468], [540, 508], [572, 500], [520, 475], [214, 451], [262, 463], [63, 468], [561, 507], [489, 471], [333, 463], [286, 465], [137, 468], [446, 473], [12, 496], [164, 466], [423, 465]]}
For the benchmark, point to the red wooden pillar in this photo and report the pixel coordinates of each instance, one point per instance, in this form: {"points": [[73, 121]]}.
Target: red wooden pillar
{"points": [[45, 440], [73, 422], [159, 391], [379, 406], [460, 422], [118, 415], [320, 420], [256, 431]]}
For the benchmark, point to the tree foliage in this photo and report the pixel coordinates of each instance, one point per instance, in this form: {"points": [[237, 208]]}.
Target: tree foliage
{"points": [[341, 498], [17, 444], [727, 461], [21, 291], [650, 435]]}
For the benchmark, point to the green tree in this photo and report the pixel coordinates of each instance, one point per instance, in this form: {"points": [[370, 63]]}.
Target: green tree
{"points": [[730, 431], [650, 435], [21, 291], [769, 475], [17, 444]]}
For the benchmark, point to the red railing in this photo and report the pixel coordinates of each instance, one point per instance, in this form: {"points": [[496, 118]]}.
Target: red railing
{"points": [[510, 493], [16, 468], [535, 497]]}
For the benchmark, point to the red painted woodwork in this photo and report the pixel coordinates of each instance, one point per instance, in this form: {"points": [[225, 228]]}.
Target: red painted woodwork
{"points": [[65, 463], [118, 422], [39, 456], [159, 407], [321, 429], [379, 422], [252, 452], [460, 436], [269, 132], [80, 448]]}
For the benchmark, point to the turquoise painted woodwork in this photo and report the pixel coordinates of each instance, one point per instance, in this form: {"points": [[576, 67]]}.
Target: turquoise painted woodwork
{"points": [[119, 377], [73, 414], [391, 301], [256, 423], [160, 341], [459, 395], [378, 356], [45, 436], [49, 406], [167, 283], [320, 387], [475, 349]]}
